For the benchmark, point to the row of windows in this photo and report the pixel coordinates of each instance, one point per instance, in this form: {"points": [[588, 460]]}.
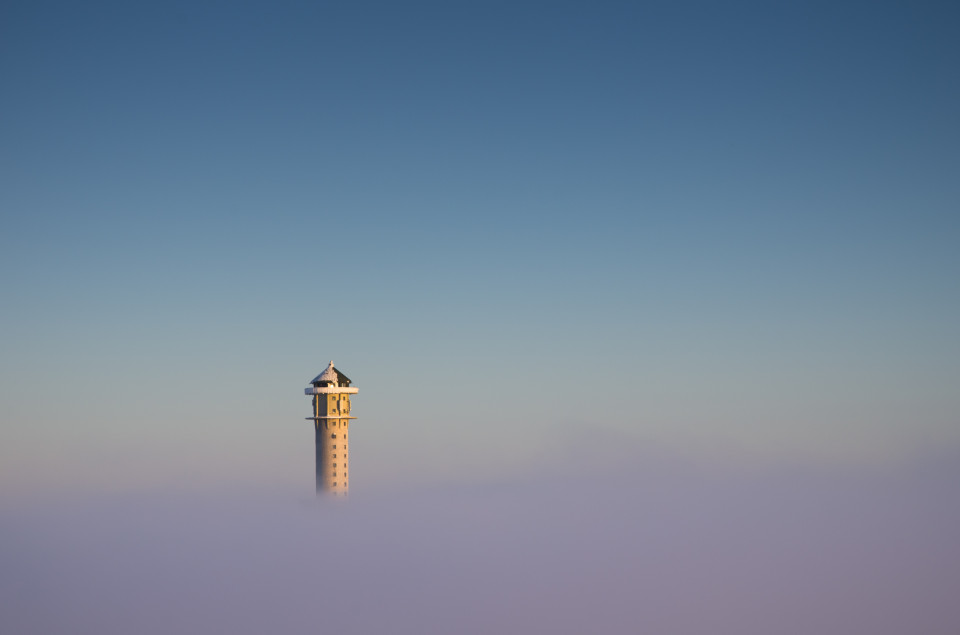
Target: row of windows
{"points": [[344, 401], [334, 436]]}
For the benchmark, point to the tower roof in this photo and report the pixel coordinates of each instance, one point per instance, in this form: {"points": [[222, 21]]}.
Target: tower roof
{"points": [[330, 375]]}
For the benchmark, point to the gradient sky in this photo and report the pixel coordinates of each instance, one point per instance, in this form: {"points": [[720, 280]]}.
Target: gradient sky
{"points": [[725, 230]]}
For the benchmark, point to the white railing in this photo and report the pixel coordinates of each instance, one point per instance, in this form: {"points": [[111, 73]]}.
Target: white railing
{"points": [[326, 390]]}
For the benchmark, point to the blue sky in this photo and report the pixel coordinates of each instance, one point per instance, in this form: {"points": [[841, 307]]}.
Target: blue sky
{"points": [[724, 228]]}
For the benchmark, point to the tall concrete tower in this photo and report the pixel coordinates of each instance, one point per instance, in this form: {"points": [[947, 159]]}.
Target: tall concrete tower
{"points": [[331, 418]]}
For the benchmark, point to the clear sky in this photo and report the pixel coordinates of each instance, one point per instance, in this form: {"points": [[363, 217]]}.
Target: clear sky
{"points": [[724, 229]]}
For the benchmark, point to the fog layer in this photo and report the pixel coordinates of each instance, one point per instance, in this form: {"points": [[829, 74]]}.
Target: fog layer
{"points": [[670, 550]]}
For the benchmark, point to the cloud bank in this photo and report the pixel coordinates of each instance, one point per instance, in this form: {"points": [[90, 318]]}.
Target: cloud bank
{"points": [[669, 550]]}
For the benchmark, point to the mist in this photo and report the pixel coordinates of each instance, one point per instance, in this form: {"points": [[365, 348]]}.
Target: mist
{"points": [[671, 548]]}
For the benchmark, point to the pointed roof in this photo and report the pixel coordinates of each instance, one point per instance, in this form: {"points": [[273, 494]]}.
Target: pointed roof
{"points": [[330, 375]]}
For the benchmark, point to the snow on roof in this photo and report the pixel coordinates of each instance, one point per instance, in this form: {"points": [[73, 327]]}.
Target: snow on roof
{"points": [[330, 375]]}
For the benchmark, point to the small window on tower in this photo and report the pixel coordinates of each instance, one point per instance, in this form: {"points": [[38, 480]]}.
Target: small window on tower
{"points": [[333, 436]]}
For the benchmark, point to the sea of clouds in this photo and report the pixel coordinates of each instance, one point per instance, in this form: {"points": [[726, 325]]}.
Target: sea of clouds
{"points": [[665, 549]]}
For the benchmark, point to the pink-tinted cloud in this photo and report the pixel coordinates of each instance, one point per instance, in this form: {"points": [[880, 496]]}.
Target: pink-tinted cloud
{"points": [[665, 550]]}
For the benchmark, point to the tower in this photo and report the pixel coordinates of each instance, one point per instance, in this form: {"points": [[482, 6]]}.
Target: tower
{"points": [[331, 419]]}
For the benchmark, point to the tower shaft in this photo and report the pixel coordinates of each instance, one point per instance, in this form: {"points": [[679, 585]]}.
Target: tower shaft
{"points": [[332, 424]]}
